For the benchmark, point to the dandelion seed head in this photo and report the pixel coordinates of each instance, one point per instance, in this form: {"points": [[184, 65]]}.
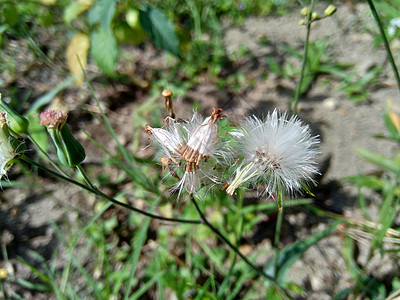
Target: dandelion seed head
{"points": [[278, 151]]}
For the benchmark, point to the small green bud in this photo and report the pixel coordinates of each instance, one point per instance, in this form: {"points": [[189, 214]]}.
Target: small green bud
{"points": [[314, 16], [69, 151], [16, 122], [302, 22], [10, 146], [330, 10], [304, 11]]}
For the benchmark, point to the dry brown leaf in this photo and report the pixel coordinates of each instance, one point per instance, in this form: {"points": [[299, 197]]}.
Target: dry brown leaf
{"points": [[78, 46]]}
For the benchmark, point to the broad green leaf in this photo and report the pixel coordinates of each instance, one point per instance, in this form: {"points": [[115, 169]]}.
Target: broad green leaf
{"points": [[102, 12], [104, 50], [77, 52], [161, 30], [288, 255], [388, 164], [10, 14]]}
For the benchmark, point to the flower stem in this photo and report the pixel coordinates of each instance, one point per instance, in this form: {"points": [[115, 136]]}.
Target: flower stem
{"points": [[47, 156], [276, 240], [99, 193], [85, 177], [385, 42], [222, 237], [296, 97]]}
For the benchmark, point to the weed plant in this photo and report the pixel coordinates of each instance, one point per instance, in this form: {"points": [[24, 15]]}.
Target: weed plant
{"points": [[154, 241]]}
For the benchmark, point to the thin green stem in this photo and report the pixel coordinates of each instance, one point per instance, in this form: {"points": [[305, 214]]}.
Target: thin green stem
{"points": [[55, 166], [277, 239], [85, 177], [385, 42], [99, 193], [296, 97], [222, 237]]}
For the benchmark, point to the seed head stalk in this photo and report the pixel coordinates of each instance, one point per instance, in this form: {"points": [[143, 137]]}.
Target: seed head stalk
{"points": [[226, 241], [295, 100], [385, 42], [99, 193]]}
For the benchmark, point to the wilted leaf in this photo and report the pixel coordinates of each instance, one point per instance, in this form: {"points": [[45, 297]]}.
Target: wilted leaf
{"points": [[104, 50], [156, 23], [77, 50]]}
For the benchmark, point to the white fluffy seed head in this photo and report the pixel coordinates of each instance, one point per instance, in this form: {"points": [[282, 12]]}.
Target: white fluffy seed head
{"points": [[281, 151]]}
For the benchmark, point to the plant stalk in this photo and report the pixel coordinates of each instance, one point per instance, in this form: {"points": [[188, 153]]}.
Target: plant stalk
{"points": [[222, 237], [99, 193], [385, 42], [295, 100]]}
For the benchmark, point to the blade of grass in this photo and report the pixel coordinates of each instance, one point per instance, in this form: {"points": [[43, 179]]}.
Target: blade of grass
{"points": [[146, 286], [33, 286], [140, 177], [289, 254], [273, 207], [138, 244], [73, 244], [88, 278], [385, 42], [160, 284]]}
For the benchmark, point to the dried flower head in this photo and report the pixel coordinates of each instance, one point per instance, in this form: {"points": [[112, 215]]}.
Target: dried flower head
{"points": [[186, 147], [53, 119], [69, 151], [279, 152]]}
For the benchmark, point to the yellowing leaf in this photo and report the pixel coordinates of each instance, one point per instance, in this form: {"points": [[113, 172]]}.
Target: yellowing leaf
{"points": [[74, 9], [78, 46], [86, 3], [395, 120], [48, 2]]}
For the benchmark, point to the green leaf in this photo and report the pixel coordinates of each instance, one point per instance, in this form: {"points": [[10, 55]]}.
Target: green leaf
{"points": [[161, 30], [73, 10], [391, 127], [10, 15], [104, 50], [372, 182], [288, 255], [37, 132], [388, 164], [102, 12]]}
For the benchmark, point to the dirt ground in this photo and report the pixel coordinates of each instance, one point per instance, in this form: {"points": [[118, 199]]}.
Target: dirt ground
{"points": [[26, 215]]}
